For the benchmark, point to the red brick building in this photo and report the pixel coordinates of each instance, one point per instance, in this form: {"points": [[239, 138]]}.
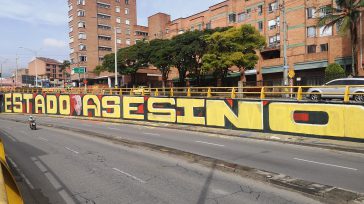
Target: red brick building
{"points": [[309, 48]]}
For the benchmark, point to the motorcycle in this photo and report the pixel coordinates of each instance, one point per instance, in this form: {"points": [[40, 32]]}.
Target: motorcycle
{"points": [[33, 125]]}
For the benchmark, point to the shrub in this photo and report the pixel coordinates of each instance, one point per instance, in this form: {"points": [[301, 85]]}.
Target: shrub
{"points": [[334, 71]]}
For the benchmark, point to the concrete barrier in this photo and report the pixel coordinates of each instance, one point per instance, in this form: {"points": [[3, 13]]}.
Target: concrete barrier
{"points": [[319, 119], [9, 191]]}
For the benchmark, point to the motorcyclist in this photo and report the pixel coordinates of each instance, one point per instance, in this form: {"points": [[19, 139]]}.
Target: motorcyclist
{"points": [[31, 120]]}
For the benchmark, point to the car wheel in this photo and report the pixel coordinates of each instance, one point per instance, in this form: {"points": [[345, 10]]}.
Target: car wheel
{"points": [[315, 96], [359, 97]]}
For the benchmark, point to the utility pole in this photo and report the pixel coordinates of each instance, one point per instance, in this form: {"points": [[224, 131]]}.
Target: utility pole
{"points": [[285, 67], [116, 60], [16, 69], [360, 64], [1, 70]]}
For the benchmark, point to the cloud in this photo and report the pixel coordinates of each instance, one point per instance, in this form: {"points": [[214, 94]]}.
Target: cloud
{"points": [[50, 42], [35, 11]]}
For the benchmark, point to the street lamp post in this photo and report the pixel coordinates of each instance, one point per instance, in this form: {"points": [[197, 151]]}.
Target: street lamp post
{"points": [[1, 70], [116, 60]]}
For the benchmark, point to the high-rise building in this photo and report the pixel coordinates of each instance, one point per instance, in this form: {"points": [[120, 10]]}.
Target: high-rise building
{"points": [[93, 25], [309, 48]]}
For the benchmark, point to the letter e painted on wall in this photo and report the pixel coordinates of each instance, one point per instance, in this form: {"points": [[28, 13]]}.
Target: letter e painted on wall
{"points": [[161, 114], [18, 103], [8, 103], [130, 107]]}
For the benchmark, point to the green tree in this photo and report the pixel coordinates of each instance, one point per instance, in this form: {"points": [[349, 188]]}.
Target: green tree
{"points": [[130, 60], [233, 47], [347, 15], [65, 64], [160, 55], [334, 71]]}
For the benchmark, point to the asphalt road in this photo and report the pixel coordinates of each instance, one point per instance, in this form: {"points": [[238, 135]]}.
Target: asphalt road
{"points": [[330, 167], [60, 166]]}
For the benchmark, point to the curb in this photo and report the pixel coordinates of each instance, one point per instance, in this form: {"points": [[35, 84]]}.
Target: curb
{"points": [[323, 193]]}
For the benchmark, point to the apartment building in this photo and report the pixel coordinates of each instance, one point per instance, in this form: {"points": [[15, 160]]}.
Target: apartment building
{"points": [[95, 26], [48, 70], [309, 48]]}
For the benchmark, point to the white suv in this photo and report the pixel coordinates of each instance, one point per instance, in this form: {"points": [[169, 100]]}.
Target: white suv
{"points": [[336, 89]]}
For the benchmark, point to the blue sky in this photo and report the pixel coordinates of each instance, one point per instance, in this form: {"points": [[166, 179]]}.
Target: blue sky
{"points": [[42, 25]]}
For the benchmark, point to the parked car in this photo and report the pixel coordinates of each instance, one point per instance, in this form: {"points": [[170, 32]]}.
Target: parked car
{"points": [[335, 89], [139, 90]]}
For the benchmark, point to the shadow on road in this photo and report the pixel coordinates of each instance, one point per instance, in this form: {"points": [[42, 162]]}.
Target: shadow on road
{"points": [[206, 186]]}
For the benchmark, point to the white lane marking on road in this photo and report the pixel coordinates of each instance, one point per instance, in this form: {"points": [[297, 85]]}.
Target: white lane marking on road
{"points": [[43, 139], [66, 197], [153, 134], [21, 174], [112, 128], [210, 143], [129, 175], [40, 166], [333, 165], [53, 181], [71, 150]]}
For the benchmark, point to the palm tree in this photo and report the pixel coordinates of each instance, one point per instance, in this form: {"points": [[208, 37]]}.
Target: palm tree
{"points": [[347, 15], [66, 64]]}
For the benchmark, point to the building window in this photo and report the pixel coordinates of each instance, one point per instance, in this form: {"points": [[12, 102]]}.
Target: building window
{"points": [[83, 58], [127, 22], [260, 10], [323, 12], [241, 17], [311, 49], [70, 18], [82, 47], [181, 31], [70, 7], [248, 13], [103, 16], [117, 9], [126, 2], [311, 31], [260, 26], [103, 5], [272, 24], [127, 42], [71, 28], [128, 31], [102, 48], [311, 13], [72, 50], [82, 36], [208, 26], [274, 40], [80, 13], [104, 37], [81, 24], [167, 30], [192, 28], [71, 40], [325, 31], [199, 27], [272, 7], [118, 20], [126, 11], [104, 27], [324, 47], [118, 30], [81, 2], [232, 18], [118, 41]]}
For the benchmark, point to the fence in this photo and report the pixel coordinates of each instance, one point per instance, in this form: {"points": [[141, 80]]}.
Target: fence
{"points": [[254, 92]]}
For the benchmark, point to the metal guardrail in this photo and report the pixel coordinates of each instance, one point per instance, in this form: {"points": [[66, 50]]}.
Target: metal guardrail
{"points": [[9, 191], [254, 92]]}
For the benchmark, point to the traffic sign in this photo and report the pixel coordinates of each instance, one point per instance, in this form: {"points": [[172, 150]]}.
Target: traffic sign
{"points": [[291, 73], [79, 70]]}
